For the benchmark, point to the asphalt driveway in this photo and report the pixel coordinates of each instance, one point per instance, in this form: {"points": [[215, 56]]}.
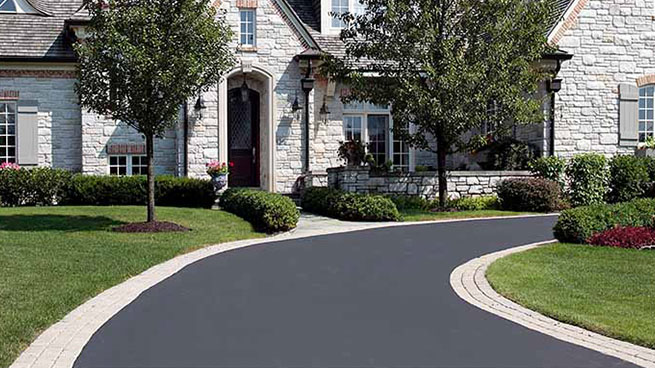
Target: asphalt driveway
{"points": [[374, 298]]}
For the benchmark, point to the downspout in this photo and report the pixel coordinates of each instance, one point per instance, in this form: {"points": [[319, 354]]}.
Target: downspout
{"points": [[186, 138], [307, 91], [551, 147]]}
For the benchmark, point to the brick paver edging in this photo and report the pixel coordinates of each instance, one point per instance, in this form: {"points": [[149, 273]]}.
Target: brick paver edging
{"points": [[470, 283], [61, 344]]}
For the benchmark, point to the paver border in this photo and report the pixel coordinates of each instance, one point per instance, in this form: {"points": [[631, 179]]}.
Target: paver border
{"points": [[470, 283], [60, 344]]}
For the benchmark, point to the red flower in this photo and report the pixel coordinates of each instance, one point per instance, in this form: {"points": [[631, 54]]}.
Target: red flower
{"points": [[231, 164]]}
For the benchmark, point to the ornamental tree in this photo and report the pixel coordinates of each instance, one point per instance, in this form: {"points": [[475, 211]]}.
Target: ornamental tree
{"points": [[440, 63], [144, 58]]}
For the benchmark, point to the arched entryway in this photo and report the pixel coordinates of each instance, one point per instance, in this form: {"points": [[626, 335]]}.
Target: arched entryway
{"points": [[243, 137]]}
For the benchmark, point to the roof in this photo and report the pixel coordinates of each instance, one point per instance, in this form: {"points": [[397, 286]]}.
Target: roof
{"points": [[38, 36], [558, 9]]}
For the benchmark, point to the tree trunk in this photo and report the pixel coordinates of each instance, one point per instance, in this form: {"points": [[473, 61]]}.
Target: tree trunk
{"points": [[150, 152], [442, 151]]}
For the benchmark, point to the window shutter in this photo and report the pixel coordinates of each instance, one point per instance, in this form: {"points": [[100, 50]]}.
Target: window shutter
{"points": [[27, 133], [628, 115]]}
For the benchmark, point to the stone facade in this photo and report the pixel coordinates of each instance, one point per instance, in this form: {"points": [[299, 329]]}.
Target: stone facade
{"points": [[613, 42], [425, 184]]}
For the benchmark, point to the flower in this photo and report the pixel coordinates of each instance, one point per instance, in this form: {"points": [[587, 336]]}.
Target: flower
{"points": [[9, 166], [217, 168], [231, 164]]}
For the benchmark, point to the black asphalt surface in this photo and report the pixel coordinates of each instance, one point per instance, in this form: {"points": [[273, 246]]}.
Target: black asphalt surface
{"points": [[374, 298]]}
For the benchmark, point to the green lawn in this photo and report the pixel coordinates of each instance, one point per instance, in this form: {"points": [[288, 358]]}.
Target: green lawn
{"points": [[53, 259], [423, 215], [607, 290]]}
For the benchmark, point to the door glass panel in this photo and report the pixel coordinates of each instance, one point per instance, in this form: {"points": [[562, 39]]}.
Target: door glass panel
{"points": [[240, 124]]}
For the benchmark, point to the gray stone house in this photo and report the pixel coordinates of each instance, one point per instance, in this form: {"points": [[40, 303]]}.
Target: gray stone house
{"points": [[258, 115]]}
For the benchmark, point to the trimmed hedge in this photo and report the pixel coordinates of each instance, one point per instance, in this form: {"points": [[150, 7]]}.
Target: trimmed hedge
{"points": [[628, 178], [531, 195], [266, 211], [412, 202], [476, 203], [131, 190], [39, 186], [587, 174], [349, 206], [577, 225]]}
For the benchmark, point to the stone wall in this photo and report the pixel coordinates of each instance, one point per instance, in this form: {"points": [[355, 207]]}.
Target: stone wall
{"points": [[460, 183], [613, 41]]}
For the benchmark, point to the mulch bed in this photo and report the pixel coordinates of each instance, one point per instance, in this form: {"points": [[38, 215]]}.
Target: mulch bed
{"points": [[150, 227]]}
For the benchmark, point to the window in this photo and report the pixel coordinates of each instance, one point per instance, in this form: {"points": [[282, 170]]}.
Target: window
{"points": [[339, 7], [7, 6], [491, 123], [247, 27], [646, 96], [7, 132], [126, 165], [372, 125]]}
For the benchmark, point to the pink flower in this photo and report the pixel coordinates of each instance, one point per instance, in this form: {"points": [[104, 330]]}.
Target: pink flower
{"points": [[9, 166]]}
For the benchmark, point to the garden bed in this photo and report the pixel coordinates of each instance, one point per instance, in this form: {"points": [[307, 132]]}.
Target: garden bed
{"points": [[52, 259], [606, 290]]}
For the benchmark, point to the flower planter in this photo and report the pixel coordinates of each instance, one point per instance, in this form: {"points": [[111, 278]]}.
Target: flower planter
{"points": [[219, 181]]}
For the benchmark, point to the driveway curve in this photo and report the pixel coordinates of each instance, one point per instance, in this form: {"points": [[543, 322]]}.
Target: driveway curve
{"points": [[373, 298]]}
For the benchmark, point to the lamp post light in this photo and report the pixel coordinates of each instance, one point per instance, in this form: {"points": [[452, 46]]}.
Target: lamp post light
{"points": [[553, 86]]}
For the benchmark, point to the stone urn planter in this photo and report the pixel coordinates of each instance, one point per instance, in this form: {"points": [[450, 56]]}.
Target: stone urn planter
{"points": [[219, 181], [645, 152]]}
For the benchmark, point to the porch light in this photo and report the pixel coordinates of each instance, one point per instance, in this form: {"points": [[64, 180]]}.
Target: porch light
{"points": [[324, 112], [200, 106], [245, 91], [307, 84], [296, 105], [554, 85]]}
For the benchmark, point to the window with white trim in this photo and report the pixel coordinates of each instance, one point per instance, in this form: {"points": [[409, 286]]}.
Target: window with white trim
{"points": [[646, 108], [247, 24], [7, 132], [373, 126], [127, 165], [339, 7]]}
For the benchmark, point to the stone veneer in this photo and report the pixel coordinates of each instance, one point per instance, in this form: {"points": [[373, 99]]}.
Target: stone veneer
{"points": [[612, 42], [460, 183]]}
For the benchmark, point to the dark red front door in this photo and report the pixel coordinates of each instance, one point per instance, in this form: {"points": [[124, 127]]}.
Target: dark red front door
{"points": [[243, 138]]}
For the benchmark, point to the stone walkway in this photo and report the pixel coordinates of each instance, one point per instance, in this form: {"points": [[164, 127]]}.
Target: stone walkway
{"points": [[470, 283]]}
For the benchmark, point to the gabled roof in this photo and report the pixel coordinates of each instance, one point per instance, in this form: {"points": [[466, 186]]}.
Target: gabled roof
{"points": [[559, 8]]}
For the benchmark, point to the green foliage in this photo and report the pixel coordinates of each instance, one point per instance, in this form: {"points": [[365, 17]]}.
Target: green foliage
{"points": [[576, 225], [507, 154], [476, 203], [41, 186], [649, 162], [269, 212], [628, 178], [353, 153], [551, 168], [440, 63], [588, 176], [131, 190], [349, 206], [412, 202], [530, 195]]}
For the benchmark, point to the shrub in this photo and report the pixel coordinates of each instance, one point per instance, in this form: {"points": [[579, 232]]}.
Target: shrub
{"points": [[576, 225], [532, 195], [412, 202], [266, 211], [41, 186], [587, 174], [628, 178], [649, 162], [551, 168], [624, 237], [131, 190], [349, 206], [476, 203]]}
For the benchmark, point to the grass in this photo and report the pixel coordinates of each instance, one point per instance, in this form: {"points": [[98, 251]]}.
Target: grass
{"points": [[423, 215], [53, 259], [607, 290]]}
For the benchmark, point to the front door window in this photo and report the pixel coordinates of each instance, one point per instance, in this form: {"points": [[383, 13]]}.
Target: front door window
{"points": [[243, 138]]}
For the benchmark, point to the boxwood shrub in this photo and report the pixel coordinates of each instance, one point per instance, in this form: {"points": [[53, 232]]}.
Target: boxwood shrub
{"points": [[349, 206], [587, 174], [531, 195], [628, 178], [131, 190], [266, 211], [577, 225], [41, 186], [476, 203]]}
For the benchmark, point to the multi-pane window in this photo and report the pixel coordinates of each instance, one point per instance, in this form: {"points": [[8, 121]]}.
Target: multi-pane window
{"points": [[128, 165], [339, 7], [7, 132], [377, 127], [646, 96], [247, 27], [491, 123], [400, 154], [7, 6], [353, 127]]}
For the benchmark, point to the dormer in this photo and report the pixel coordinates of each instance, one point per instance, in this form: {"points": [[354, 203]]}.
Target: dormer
{"points": [[330, 24]]}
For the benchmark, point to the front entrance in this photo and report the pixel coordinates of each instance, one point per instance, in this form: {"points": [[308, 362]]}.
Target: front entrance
{"points": [[243, 138]]}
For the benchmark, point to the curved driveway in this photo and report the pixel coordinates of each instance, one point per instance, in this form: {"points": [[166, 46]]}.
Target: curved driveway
{"points": [[373, 298]]}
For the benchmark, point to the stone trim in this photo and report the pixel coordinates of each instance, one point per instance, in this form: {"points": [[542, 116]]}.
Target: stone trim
{"points": [[646, 79], [249, 4], [62, 74], [470, 284], [570, 20]]}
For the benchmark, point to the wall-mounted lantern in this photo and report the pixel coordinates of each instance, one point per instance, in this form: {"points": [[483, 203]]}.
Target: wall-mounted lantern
{"points": [[554, 85], [245, 91], [200, 106], [295, 107], [324, 111]]}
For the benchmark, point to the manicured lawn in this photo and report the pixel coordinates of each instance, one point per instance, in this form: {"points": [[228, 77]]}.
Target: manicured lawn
{"points": [[607, 290], [423, 215], [54, 259]]}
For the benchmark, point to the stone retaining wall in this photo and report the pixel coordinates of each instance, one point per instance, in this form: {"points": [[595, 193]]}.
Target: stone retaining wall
{"points": [[460, 183]]}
